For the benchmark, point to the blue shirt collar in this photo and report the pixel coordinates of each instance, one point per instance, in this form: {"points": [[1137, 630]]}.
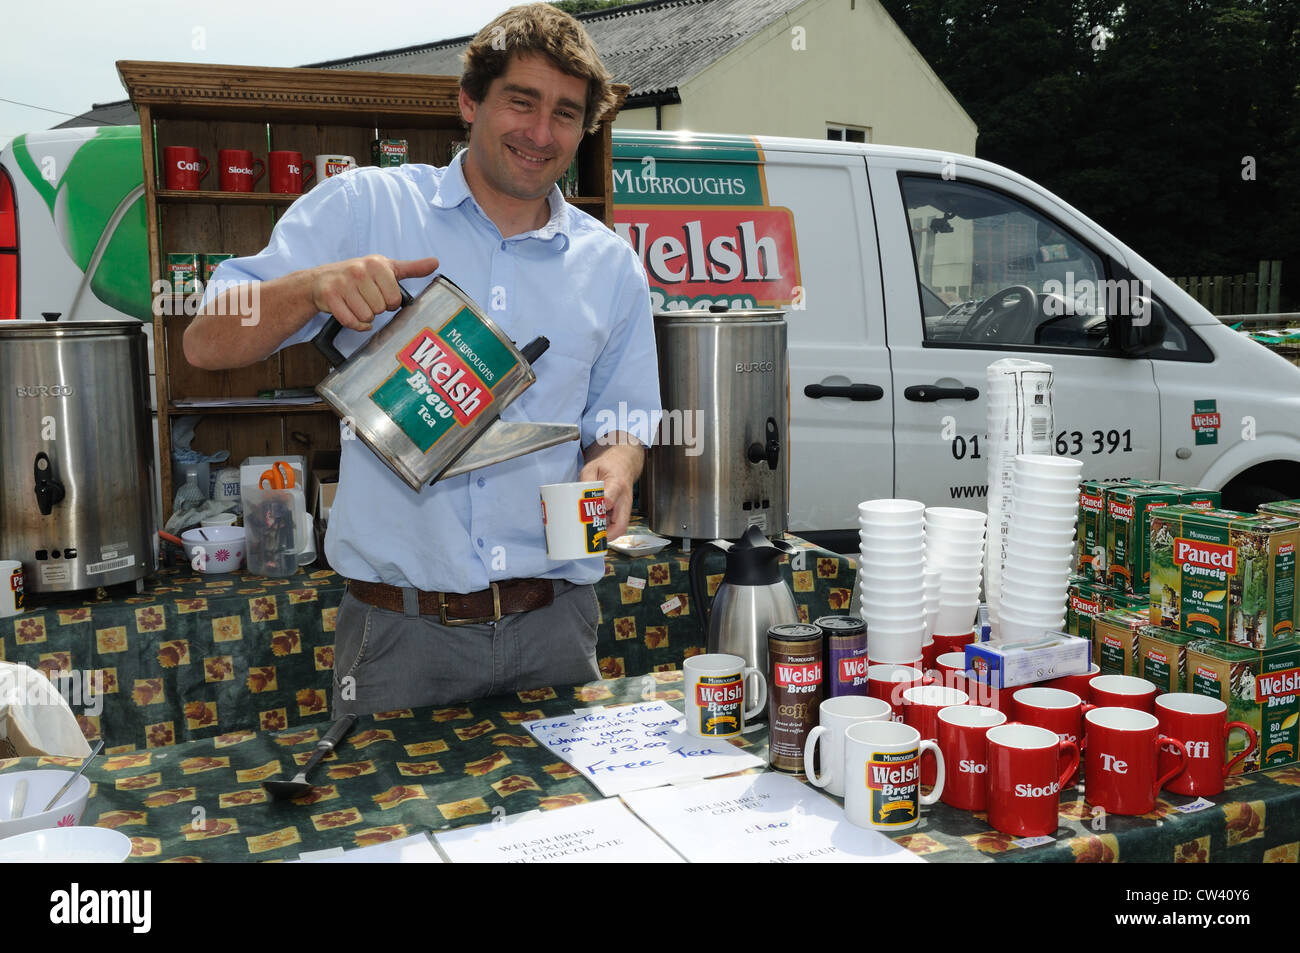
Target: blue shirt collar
{"points": [[454, 190]]}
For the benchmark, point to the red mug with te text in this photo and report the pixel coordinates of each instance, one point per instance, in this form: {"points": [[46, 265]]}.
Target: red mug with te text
{"points": [[1028, 766], [1202, 723], [888, 682], [1055, 709], [1122, 691], [183, 168], [288, 174], [965, 753], [239, 170], [1123, 763], [921, 707]]}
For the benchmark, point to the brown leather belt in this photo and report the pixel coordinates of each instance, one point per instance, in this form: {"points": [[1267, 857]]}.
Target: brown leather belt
{"points": [[455, 608]]}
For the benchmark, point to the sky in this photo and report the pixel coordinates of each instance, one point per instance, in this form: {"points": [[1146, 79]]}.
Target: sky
{"points": [[60, 54]]}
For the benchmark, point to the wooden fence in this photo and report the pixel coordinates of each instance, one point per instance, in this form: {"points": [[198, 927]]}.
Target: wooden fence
{"points": [[1259, 293]]}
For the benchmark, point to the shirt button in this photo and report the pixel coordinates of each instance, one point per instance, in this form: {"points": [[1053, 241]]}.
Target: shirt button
{"points": [[482, 482], [480, 542], [503, 246]]}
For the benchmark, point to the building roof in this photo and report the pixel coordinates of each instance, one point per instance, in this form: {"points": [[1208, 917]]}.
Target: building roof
{"points": [[653, 47]]}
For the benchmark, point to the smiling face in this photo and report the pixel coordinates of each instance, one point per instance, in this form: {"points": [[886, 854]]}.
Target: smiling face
{"points": [[525, 131]]}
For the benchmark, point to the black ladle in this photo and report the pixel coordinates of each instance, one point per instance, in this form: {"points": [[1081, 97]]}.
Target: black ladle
{"points": [[299, 784]]}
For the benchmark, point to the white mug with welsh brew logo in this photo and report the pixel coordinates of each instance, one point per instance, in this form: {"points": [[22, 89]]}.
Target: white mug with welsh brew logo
{"points": [[574, 517], [882, 775], [327, 165], [717, 687]]}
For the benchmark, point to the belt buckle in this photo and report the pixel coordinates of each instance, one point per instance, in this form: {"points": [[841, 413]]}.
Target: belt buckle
{"points": [[496, 610]]}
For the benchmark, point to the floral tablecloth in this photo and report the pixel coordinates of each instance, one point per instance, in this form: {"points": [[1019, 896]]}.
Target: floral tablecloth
{"points": [[197, 656]]}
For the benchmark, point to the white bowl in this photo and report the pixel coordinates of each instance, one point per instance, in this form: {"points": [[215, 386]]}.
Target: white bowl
{"points": [[221, 551], [41, 785], [67, 845]]}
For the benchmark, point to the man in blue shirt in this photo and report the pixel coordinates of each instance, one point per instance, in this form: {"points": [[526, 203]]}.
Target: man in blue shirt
{"points": [[427, 571]]}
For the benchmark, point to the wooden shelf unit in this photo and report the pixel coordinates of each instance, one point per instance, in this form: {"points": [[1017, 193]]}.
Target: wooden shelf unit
{"points": [[312, 111]]}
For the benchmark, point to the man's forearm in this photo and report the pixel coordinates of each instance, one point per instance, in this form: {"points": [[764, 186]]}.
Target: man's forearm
{"points": [[237, 329]]}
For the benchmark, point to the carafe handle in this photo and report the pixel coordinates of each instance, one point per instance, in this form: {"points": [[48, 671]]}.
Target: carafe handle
{"points": [[700, 588]]}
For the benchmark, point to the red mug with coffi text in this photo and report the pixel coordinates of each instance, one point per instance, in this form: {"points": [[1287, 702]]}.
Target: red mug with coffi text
{"points": [[1123, 765], [965, 753], [1202, 723], [288, 174], [239, 170], [1028, 766], [183, 168], [1122, 691]]}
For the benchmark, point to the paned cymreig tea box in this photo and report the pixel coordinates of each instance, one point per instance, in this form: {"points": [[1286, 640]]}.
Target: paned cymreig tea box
{"points": [[1115, 640], [1261, 689], [1224, 575], [1162, 657]]}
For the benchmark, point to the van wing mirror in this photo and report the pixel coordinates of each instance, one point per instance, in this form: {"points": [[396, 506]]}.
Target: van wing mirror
{"points": [[1140, 328]]}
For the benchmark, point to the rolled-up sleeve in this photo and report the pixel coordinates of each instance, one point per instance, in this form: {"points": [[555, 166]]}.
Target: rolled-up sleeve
{"points": [[623, 393]]}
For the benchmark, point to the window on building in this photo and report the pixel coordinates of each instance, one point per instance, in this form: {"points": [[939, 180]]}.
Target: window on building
{"points": [[848, 133]]}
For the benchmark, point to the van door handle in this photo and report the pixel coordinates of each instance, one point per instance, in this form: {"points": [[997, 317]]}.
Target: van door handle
{"points": [[928, 393], [851, 391]]}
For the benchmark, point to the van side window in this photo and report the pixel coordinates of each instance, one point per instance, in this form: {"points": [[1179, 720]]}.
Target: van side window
{"points": [[991, 271]]}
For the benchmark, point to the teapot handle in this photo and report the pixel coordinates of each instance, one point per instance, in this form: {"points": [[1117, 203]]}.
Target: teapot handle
{"points": [[700, 588], [324, 339]]}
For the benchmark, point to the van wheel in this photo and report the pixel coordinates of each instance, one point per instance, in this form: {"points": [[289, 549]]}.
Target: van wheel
{"points": [[1247, 497]]}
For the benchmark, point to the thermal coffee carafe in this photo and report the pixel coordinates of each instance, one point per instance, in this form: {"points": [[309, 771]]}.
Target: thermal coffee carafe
{"points": [[751, 598]]}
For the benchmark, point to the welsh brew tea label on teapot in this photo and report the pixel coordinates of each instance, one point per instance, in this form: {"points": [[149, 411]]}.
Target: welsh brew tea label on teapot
{"points": [[444, 379], [894, 783], [720, 699]]}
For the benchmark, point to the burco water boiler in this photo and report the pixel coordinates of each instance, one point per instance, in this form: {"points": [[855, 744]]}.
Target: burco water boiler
{"points": [[721, 463]]}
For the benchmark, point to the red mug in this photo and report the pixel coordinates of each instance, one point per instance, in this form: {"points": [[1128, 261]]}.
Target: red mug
{"points": [[183, 168], [1076, 683], [1202, 723], [929, 652], [1123, 765], [921, 707], [952, 643], [1055, 709], [965, 754], [239, 170], [1025, 778], [288, 174], [890, 681], [989, 696], [1122, 691]]}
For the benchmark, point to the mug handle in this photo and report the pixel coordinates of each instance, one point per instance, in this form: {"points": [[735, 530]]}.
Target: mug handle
{"points": [[260, 166], [204, 172], [809, 749], [1250, 733], [1164, 741], [762, 691], [1070, 749], [937, 791], [308, 173]]}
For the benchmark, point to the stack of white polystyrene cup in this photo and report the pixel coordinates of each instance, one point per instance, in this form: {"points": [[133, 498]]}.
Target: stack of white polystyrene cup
{"points": [[891, 571], [1040, 546], [1020, 420], [954, 547], [930, 585]]}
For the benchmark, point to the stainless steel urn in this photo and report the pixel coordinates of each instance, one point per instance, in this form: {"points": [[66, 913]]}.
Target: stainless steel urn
{"points": [[77, 473], [721, 463]]}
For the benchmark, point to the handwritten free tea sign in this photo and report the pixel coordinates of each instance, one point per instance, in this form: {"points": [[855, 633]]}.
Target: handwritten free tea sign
{"points": [[633, 747]]}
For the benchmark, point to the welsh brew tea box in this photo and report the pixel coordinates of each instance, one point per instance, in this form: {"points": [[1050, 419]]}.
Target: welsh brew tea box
{"points": [[1224, 575], [1261, 689]]}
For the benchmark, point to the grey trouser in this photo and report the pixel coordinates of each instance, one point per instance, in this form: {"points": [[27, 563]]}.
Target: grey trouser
{"points": [[386, 660]]}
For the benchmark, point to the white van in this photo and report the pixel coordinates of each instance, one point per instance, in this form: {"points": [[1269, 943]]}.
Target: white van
{"points": [[904, 272]]}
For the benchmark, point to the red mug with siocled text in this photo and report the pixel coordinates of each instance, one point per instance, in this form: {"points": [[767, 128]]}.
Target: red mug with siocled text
{"points": [[1028, 766], [1123, 764], [239, 170], [1202, 723], [183, 168], [965, 752]]}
